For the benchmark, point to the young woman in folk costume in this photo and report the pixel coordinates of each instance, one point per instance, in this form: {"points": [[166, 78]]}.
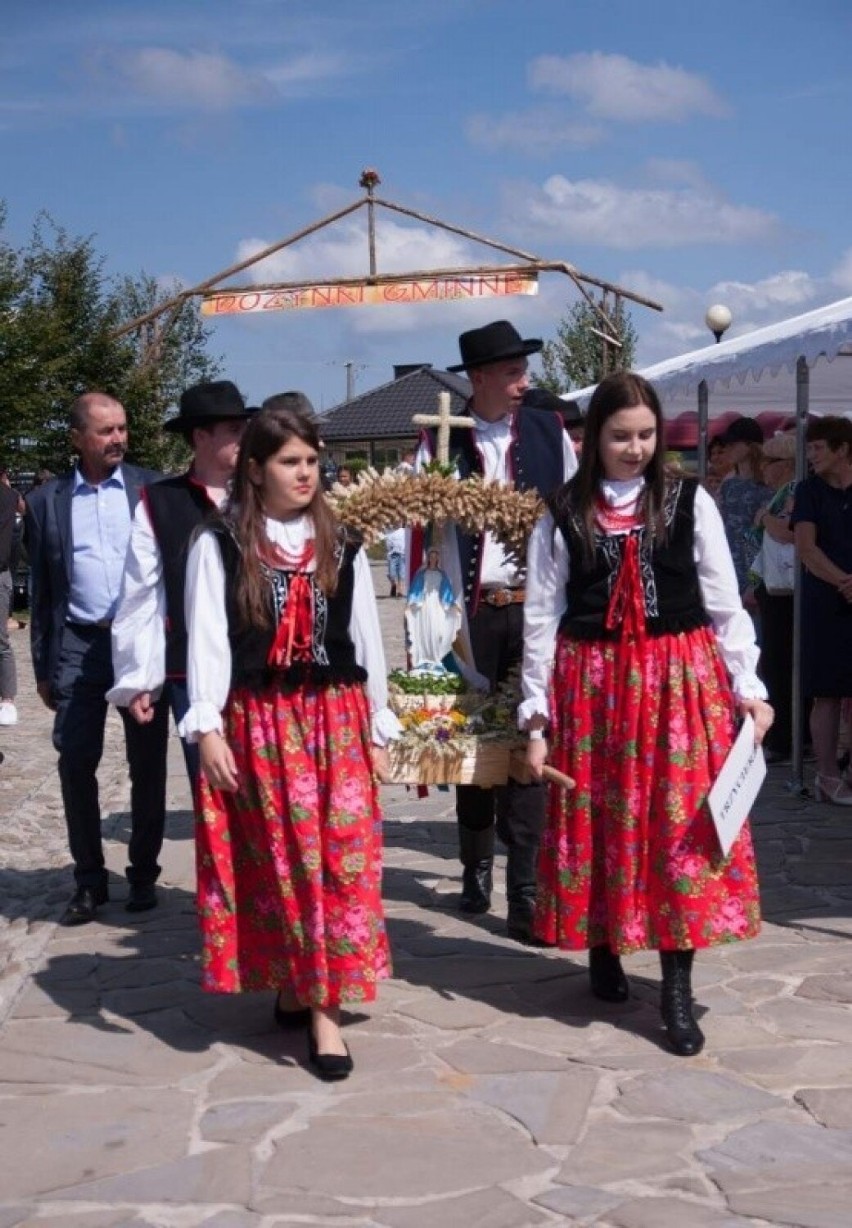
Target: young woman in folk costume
{"points": [[638, 655], [287, 683]]}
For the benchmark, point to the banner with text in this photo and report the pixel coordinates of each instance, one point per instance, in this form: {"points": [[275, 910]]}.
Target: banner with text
{"points": [[418, 290]]}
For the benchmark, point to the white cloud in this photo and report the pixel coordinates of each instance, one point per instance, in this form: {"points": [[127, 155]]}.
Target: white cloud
{"points": [[841, 276], [533, 132], [598, 211], [617, 88], [790, 290], [208, 81]]}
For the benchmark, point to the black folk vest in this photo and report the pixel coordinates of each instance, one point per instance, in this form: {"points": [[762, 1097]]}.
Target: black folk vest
{"points": [[535, 461], [176, 507], [670, 585], [332, 654]]}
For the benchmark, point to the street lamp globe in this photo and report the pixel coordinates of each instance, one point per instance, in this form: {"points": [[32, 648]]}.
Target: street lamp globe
{"points": [[718, 320]]}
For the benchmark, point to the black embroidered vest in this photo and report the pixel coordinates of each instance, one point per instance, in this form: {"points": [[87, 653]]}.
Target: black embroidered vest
{"points": [[535, 463], [332, 651], [176, 507], [670, 584]]}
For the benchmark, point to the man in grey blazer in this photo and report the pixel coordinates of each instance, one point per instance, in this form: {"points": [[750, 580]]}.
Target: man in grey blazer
{"points": [[77, 527]]}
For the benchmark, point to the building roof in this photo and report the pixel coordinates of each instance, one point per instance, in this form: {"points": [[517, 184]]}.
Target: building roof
{"points": [[386, 412]]}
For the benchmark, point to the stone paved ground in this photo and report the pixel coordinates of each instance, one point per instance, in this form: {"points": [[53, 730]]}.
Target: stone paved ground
{"points": [[489, 1088]]}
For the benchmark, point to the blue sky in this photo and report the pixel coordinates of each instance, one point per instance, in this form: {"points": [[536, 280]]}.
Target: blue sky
{"points": [[694, 153]]}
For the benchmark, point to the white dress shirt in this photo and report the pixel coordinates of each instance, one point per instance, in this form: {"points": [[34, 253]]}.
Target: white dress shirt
{"points": [[209, 649], [548, 571], [493, 440]]}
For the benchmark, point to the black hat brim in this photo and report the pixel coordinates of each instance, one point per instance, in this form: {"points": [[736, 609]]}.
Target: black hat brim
{"points": [[179, 423], [530, 345]]}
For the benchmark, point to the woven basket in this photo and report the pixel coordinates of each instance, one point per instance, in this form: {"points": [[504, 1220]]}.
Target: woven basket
{"points": [[402, 701], [483, 763]]}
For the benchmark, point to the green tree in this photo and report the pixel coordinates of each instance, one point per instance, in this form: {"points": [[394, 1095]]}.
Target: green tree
{"points": [[59, 315], [575, 359], [169, 355]]}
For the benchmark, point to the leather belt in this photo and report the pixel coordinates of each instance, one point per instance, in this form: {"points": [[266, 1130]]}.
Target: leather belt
{"points": [[503, 596], [101, 623]]}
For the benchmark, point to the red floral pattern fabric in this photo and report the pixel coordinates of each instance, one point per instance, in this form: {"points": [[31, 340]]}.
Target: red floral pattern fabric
{"points": [[289, 866], [631, 857]]}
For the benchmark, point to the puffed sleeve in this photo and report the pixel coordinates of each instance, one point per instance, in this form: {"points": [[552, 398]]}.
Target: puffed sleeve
{"points": [[548, 568], [208, 667], [139, 626], [366, 633]]}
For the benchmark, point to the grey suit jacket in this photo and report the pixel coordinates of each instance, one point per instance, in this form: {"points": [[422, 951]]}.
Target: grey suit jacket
{"points": [[51, 555]]}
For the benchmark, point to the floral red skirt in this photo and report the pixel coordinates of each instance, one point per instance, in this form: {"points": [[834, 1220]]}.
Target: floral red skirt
{"points": [[631, 857], [289, 866]]}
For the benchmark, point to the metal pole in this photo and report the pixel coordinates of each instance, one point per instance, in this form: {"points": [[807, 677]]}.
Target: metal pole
{"points": [[703, 414], [350, 380], [797, 780]]}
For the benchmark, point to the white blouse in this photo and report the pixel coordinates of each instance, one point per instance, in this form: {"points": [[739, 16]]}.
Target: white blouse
{"points": [[548, 570], [209, 650]]}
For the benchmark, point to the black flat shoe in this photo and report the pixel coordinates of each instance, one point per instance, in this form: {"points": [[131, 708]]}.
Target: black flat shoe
{"points": [[329, 1066], [606, 976], [143, 896], [83, 905], [288, 1020]]}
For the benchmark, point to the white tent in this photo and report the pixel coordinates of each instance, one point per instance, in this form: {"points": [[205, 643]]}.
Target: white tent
{"points": [[756, 373]]}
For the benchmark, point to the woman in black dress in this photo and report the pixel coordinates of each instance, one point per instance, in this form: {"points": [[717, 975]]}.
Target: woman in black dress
{"points": [[822, 525]]}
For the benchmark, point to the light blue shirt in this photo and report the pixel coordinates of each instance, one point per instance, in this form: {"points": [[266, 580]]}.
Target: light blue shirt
{"points": [[100, 531]]}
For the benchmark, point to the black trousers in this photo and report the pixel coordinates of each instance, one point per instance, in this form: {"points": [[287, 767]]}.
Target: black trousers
{"points": [[516, 811], [776, 664], [84, 675]]}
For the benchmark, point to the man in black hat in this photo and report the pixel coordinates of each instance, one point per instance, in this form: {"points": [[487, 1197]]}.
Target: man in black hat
{"points": [[509, 442], [149, 631], [78, 526]]}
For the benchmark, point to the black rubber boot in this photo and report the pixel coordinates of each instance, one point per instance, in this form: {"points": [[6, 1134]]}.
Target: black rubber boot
{"points": [[476, 850], [606, 975], [685, 1036], [520, 894]]}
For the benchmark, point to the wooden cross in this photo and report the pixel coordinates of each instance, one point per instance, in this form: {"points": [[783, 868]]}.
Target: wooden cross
{"points": [[443, 420]]}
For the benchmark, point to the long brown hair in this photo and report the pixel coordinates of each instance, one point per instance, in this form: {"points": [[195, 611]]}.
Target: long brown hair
{"points": [[267, 432], [623, 390]]}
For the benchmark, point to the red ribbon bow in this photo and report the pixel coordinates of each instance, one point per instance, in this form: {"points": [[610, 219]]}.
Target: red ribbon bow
{"points": [[627, 602]]}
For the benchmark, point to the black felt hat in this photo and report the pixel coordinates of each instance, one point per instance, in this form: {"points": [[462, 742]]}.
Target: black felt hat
{"points": [[205, 404], [493, 343], [543, 398]]}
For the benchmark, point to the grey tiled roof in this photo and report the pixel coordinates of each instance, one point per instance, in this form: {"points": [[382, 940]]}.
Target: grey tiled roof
{"points": [[386, 412]]}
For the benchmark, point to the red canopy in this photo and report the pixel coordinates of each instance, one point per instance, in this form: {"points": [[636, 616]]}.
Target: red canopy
{"points": [[682, 431]]}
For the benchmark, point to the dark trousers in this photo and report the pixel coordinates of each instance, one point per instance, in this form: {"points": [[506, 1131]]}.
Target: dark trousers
{"points": [[496, 635], [177, 694], [776, 664], [84, 675]]}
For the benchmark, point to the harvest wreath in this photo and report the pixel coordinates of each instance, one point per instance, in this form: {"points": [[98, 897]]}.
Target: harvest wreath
{"points": [[379, 502]]}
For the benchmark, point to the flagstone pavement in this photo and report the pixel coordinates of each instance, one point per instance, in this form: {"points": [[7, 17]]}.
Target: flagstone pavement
{"points": [[490, 1090]]}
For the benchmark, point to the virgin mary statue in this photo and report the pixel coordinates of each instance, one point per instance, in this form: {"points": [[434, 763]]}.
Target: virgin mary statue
{"points": [[432, 615]]}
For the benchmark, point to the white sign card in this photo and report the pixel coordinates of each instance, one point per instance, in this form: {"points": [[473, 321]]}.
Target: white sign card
{"points": [[737, 785]]}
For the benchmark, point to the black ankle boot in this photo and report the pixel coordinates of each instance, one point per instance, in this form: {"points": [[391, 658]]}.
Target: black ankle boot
{"points": [[685, 1036], [519, 922], [606, 975], [476, 886]]}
